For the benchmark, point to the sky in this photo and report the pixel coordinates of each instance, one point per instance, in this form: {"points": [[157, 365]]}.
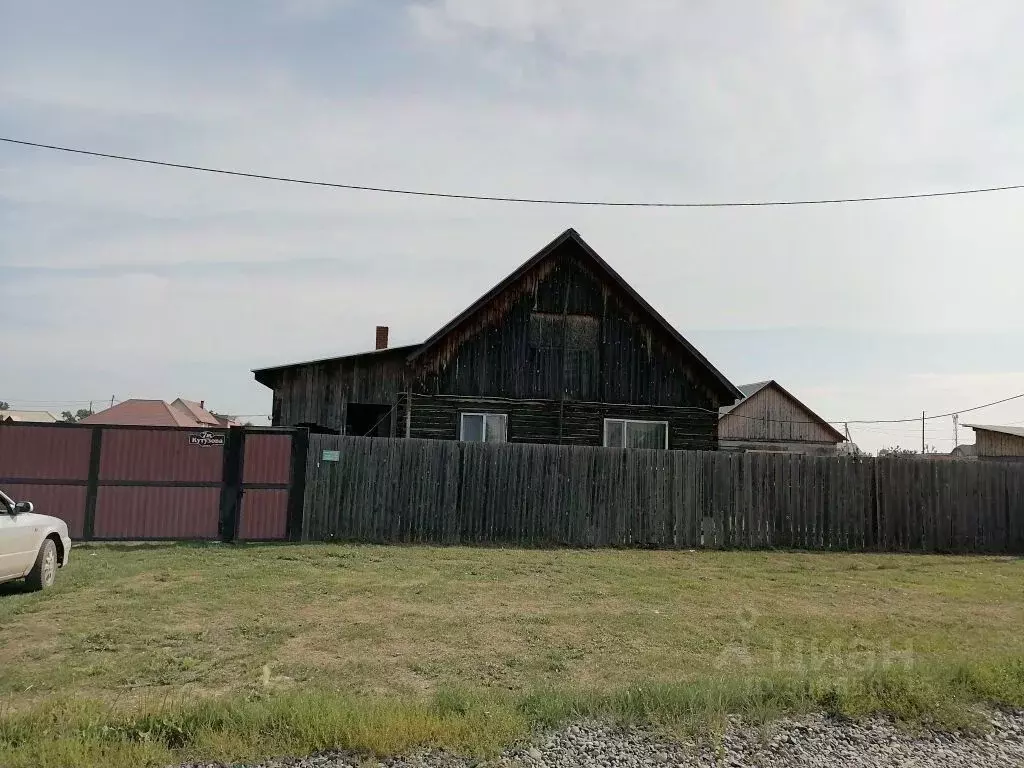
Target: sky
{"points": [[121, 280]]}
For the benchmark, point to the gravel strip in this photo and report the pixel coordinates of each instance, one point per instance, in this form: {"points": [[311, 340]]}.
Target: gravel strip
{"points": [[805, 743]]}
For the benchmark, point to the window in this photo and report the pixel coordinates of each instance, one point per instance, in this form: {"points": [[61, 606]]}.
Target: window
{"points": [[628, 433], [575, 332], [563, 356], [483, 427]]}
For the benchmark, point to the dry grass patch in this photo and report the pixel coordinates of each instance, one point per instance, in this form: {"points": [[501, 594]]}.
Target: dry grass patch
{"points": [[127, 625]]}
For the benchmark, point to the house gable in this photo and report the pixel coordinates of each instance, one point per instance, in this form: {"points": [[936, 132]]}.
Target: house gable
{"points": [[566, 323], [769, 413]]}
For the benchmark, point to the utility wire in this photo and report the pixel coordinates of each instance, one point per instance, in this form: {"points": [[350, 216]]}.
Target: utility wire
{"points": [[55, 402], [911, 420], [764, 419], [509, 199]]}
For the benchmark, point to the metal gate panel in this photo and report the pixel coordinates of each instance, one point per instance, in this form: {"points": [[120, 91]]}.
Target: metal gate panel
{"points": [[264, 514], [54, 452], [150, 512], [144, 482], [165, 455], [267, 458]]}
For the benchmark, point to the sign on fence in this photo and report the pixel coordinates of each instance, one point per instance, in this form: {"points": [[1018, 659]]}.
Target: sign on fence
{"points": [[206, 439]]}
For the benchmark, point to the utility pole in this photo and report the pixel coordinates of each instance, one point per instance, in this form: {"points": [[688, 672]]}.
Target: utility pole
{"points": [[922, 433], [956, 431]]}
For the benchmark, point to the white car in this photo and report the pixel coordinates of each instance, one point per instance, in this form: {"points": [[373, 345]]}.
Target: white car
{"points": [[32, 547]]}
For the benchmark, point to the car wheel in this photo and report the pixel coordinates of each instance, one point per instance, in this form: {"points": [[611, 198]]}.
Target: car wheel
{"points": [[44, 572]]}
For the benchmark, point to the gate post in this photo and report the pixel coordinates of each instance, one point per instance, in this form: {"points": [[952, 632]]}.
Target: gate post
{"points": [[297, 484], [92, 484], [231, 484]]}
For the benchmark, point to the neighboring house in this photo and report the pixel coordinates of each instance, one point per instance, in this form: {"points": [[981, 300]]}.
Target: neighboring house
{"points": [[965, 451], [157, 413], [39, 417], [769, 418], [560, 351], [998, 443]]}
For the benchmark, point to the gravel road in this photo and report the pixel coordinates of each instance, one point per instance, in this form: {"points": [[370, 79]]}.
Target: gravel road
{"points": [[804, 743]]}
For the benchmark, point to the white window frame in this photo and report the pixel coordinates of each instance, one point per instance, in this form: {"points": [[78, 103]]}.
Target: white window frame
{"points": [[625, 423], [484, 414]]}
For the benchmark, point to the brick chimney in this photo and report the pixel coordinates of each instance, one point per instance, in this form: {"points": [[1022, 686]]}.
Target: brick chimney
{"points": [[382, 337]]}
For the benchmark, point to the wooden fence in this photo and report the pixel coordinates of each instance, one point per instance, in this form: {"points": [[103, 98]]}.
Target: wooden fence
{"points": [[377, 490]]}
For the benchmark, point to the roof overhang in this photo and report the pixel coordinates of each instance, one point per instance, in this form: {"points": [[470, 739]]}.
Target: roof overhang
{"points": [[265, 375]]}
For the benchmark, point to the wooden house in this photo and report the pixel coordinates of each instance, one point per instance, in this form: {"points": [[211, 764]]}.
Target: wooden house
{"points": [[769, 418], [996, 443], [563, 350]]}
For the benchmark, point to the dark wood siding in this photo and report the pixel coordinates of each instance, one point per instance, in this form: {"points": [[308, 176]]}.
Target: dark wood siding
{"points": [[606, 352], [537, 421], [318, 393], [559, 347]]}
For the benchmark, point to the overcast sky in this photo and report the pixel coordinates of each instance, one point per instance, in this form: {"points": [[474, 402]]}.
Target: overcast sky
{"points": [[132, 281]]}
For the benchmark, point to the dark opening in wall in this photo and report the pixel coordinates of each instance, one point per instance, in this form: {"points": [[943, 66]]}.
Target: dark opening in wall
{"points": [[368, 420]]}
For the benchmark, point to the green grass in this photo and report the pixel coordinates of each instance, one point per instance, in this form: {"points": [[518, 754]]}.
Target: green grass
{"points": [[143, 655]]}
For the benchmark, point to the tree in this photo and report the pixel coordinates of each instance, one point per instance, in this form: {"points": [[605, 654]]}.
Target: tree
{"points": [[4, 405], [77, 416], [895, 452]]}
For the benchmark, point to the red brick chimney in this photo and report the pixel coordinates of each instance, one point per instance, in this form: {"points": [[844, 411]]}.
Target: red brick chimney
{"points": [[382, 337]]}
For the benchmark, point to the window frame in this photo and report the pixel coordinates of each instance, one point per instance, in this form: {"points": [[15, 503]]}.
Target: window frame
{"points": [[625, 425], [484, 415]]}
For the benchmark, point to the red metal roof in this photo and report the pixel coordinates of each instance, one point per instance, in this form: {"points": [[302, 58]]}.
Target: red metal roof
{"points": [[155, 413]]}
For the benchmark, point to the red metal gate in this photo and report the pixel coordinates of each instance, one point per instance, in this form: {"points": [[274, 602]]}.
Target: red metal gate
{"points": [[126, 483]]}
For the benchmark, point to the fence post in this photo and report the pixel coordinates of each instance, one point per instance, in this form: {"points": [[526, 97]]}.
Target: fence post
{"points": [[92, 484], [231, 484], [297, 486]]}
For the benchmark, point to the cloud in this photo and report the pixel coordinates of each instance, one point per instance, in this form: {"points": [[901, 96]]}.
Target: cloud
{"points": [[666, 100]]}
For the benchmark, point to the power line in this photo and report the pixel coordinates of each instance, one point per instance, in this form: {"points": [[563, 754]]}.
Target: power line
{"points": [[504, 198], [53, 402], [912, 419]]}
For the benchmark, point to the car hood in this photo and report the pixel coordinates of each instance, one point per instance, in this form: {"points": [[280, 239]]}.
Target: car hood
{"points": [[45, 521]]}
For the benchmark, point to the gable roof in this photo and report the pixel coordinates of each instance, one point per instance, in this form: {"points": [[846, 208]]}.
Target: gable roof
{"points": [[603, 267], [39, 417], [196, 411], [749, 390], [1014, 431], [154, 413]]}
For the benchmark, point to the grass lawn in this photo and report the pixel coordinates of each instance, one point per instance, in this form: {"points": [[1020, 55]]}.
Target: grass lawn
{"points": [[147, 654]]}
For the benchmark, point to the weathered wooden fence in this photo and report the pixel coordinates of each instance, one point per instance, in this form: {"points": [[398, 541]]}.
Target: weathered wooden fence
{"points": [[376, 490]]}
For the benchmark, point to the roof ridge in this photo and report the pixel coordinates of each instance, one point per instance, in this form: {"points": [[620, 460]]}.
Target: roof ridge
{"points": [[176, 415]]}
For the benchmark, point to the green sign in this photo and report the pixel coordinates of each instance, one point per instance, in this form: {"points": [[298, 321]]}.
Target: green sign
{"points": [[331, 456]]}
